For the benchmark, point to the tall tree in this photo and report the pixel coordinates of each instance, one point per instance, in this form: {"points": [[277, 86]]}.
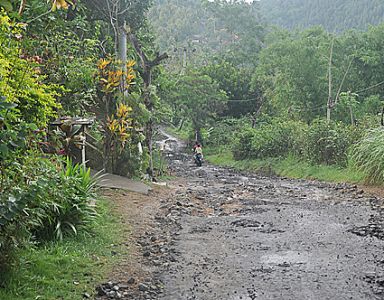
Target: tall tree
{"points": [[147, 66], [196, 97], [126, 18]]}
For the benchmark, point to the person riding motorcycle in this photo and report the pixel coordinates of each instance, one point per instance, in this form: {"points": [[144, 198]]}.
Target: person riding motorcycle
{"points": [[198, 154]]}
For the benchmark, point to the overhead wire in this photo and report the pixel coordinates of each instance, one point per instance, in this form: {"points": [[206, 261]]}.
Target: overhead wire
{"points": [[242, 100], [370, 87]]}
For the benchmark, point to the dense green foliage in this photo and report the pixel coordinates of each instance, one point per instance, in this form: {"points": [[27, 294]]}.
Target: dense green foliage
{"points": [[195, 29], [20, 80], [130, 11], [236, 83], [225, 57], [189, 24], [66, 52], [319, 143], [290, 166], [293, 70], [63, 201], [37, 200], [334, 15], [328, 143], [268, 140], [195, 97]]}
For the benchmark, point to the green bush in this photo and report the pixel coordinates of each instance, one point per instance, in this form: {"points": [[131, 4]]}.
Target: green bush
{"points": [[48, 200], [41, 198], [20, 81], [242, 147], [224, 132], [63, 201], [319, 143], [328, 143], [13, 229], [277, 139], [367, 155]]}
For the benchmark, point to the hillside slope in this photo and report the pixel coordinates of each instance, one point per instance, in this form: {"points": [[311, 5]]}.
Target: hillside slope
{"points": [[334, 15]]}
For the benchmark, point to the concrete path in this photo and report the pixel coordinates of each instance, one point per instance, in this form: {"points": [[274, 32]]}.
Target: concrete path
{"points": [[118, 182]]}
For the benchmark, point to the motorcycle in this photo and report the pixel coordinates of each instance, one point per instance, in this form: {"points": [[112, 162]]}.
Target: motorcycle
{"points": [[198, 159]]}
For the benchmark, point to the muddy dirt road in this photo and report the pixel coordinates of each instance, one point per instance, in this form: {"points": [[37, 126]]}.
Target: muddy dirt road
{"points": [[220, 234]]}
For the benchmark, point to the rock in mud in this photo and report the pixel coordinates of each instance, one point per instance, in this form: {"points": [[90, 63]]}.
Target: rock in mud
{"points": [[143, 287]]}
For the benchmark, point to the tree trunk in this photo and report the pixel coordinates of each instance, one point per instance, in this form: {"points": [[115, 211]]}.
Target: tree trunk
{"points": [[328, 113], [123, 57], [382, 117], [107, 152], [147, 74]]}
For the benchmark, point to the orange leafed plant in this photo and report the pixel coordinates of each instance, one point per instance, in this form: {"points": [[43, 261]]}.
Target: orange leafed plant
{"points": [[103, 63], [130, 63], [59, 4], [120, 124], [56, 4], [130, 78], [123, 111], [111, 76], [112, 124]]}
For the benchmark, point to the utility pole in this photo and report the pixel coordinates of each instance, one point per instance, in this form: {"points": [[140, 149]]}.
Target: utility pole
{"points": [[184, 63], [330, 101]]}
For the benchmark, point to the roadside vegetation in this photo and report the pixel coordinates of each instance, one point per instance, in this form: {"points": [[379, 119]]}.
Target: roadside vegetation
{"points": [[59, 59], [67, 269], [290, 166]]}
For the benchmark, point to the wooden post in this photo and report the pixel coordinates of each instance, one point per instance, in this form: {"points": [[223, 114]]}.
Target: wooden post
{"points": [[83, 159]]}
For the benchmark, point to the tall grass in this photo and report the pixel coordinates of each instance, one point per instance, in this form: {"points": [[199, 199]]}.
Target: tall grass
{"points": [[367, 156], [290, 166]]}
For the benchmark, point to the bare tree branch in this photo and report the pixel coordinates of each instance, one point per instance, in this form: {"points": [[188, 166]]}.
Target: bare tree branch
{"points": [[136, 45], [23, 3], [158, 59]]}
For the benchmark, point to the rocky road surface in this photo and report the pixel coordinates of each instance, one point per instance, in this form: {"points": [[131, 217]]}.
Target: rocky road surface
{"points": [[222, 234]]}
